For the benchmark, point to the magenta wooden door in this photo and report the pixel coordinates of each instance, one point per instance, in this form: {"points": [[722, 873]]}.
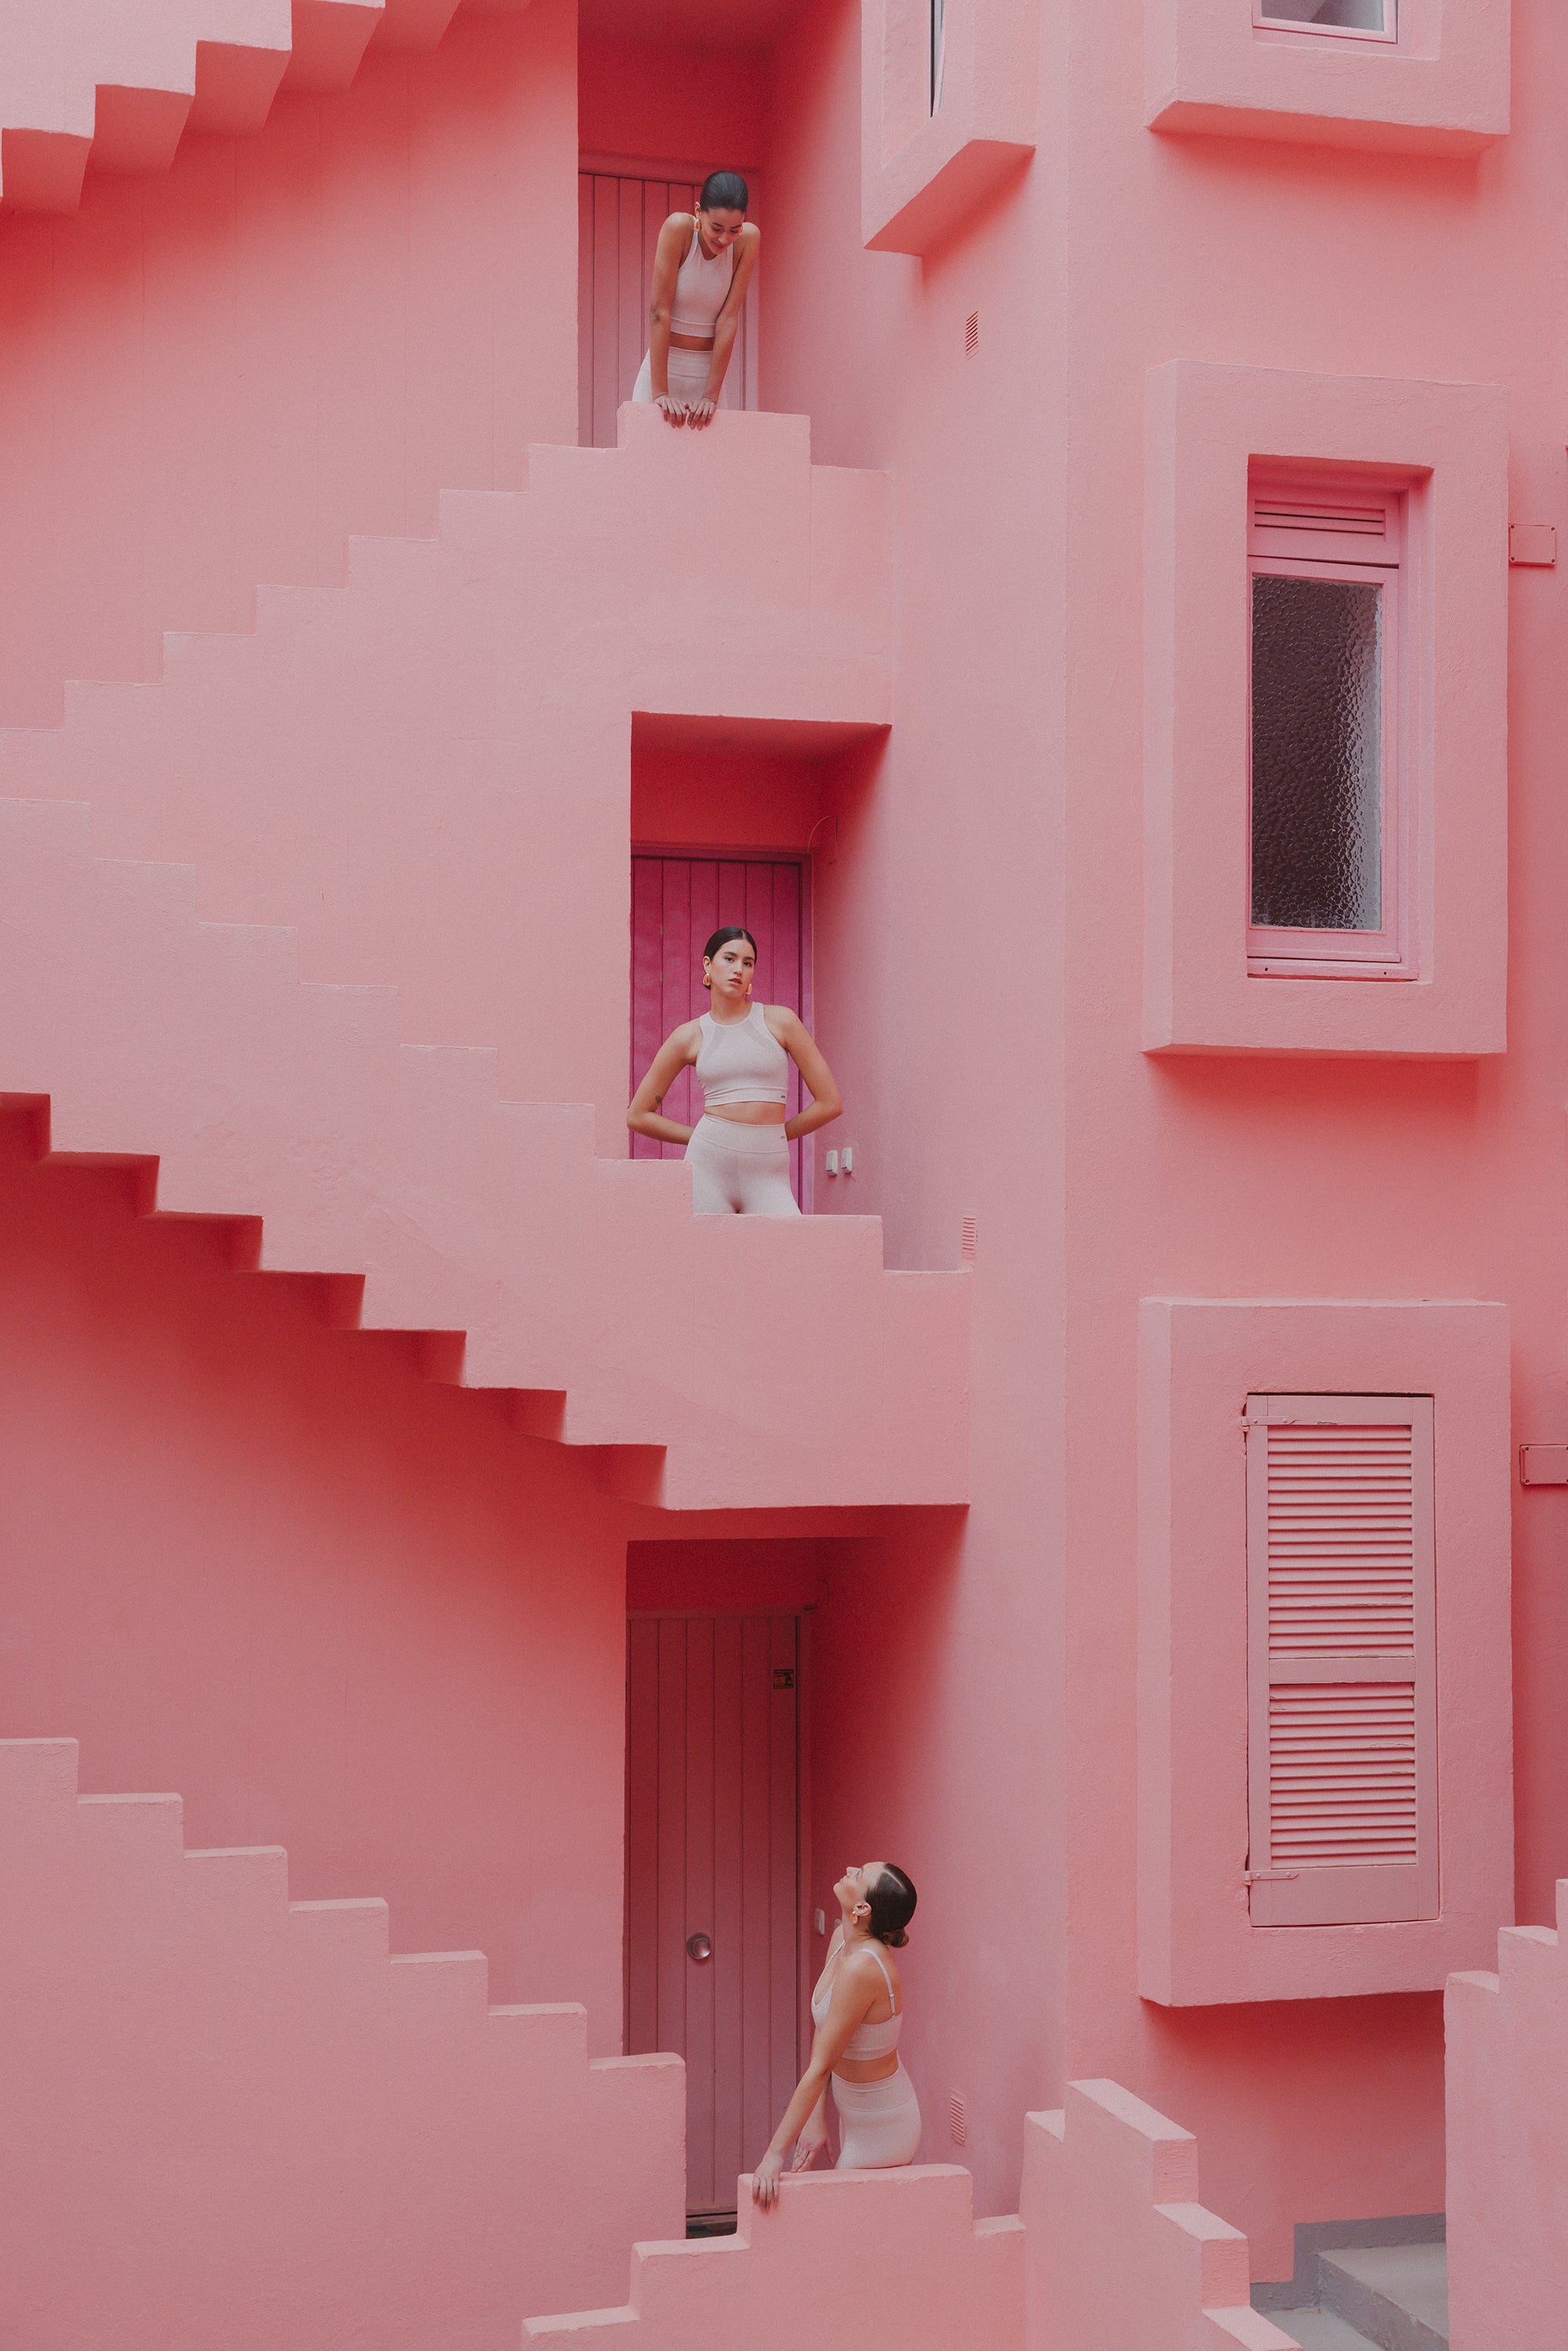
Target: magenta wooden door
{"points": [[677, 903], [712, 1851], [619, 220]]}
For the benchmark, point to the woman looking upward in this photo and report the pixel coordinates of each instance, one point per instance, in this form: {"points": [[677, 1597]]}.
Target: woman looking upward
{"points": [[858, 2010], [739, 1152], [702, 267]]}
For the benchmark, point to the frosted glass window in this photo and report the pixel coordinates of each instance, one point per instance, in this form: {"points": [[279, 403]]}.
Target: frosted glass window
{"points": [[1317, 754], [1333, 16]]}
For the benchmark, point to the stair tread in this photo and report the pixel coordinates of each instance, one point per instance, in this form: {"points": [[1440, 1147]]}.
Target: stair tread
{"points": [[1320, 2330], [1413, 2278]]}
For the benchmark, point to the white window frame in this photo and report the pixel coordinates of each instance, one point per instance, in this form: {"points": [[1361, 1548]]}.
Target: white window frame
{"points": [[1279, 551], [1262, 21]]}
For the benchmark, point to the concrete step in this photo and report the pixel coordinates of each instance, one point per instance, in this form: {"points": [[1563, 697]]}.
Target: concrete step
{"points": [[1396, 2295], [1320, 2330]]}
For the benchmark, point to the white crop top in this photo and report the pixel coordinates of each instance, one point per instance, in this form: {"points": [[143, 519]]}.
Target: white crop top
{"points": [[741, 1060], [867, 2040], [702, 287]]}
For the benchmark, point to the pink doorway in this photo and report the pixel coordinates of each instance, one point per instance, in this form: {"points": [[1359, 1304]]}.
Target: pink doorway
{"points": [[713, 1876], [619, 215], [677, 903]]}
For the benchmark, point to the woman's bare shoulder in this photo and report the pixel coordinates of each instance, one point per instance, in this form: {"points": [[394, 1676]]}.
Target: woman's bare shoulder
{"points": [[751, 237]]}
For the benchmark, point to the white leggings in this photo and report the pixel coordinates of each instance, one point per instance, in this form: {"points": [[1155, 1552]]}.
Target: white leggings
{"points": [[879, 2123], [686, 376], [739, 1171]]}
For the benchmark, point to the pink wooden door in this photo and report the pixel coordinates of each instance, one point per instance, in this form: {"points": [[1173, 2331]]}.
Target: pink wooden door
{"points": [[677, 904], [712, 1850], [619, 220]]}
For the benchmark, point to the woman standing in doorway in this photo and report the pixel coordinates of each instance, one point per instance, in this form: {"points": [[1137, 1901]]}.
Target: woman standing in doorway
{"points": [[858, 2010], [739, 1152], [702, 267]]}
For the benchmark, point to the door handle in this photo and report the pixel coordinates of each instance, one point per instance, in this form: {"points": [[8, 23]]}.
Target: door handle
{"points": [[699, 1948]]}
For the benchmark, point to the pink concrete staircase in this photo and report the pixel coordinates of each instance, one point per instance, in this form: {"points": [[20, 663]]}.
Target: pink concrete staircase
{"points": [[458, 712], [545, 1270], [873, 2256], [1119, 2250], [233, 2119], [1508, 2143], [93, 84]]}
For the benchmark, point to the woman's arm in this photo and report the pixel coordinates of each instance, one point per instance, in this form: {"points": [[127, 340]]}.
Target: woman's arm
{"points": [[725, 325], [852, 1997], [826, 1102], [677, 1053], [675, 239]]}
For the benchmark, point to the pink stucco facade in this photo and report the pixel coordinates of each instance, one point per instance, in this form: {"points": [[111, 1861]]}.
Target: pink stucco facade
{"points": [[358, 1383]]}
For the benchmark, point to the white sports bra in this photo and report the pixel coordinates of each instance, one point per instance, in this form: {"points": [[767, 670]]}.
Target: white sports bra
{"points": [[867, 2040], [702, 287], [742, 1060]]}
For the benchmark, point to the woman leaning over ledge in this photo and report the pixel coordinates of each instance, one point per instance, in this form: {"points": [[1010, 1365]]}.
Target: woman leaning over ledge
{"points": [[702, 269]]}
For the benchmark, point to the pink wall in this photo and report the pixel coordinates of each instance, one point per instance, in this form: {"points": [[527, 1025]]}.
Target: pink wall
{"points": [[658, 100], [271, 1568], [954, 979], [209, 377]]}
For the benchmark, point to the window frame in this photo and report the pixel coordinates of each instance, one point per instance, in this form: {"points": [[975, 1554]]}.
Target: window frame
{"points": [[1278, 951], [936, 37], [1264, 23]]}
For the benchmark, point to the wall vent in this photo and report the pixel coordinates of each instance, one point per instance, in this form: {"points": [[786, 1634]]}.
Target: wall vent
{"points": [[958, 2119], [971, 331], [968, 1237], [1310, 518]]}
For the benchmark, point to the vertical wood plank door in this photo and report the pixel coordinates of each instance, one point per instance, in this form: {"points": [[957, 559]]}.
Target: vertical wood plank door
{"points": [[712, 1849], [619, 220], [677, 904]]}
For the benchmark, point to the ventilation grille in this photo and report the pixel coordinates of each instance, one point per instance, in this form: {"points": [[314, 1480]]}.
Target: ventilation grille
{"points": [[958, 2119], [1307, 517], [969, 1238], [1341, 1541], [1342, 1774], [971, 333]]}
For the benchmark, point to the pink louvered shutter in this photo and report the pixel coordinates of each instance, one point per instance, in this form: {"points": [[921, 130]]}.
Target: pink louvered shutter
{"points": [[1342, 1650]]}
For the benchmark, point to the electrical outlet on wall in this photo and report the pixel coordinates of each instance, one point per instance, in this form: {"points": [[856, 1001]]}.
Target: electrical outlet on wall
{"points": [[820, 1922]]}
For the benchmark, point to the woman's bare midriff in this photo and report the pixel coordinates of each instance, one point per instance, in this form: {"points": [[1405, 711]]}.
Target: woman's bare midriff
{"points": [[751, 1114], [867, 2069], [690, 343]]}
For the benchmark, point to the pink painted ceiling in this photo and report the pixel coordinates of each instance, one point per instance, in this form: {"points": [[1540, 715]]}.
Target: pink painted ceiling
{"points": [[687, 24]]}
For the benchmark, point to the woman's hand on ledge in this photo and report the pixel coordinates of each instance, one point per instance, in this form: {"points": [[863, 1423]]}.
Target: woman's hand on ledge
{"points": [[765, 2180], [701, 412], [671, 409]]}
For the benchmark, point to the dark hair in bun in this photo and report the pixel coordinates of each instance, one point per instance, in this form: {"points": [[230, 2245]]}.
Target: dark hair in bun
{"points": [[724, 191], [892, 1905], [722, 939]]}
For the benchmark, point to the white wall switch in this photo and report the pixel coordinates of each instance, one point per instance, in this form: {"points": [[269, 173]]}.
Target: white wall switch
{"points": [[830, 1162]]}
